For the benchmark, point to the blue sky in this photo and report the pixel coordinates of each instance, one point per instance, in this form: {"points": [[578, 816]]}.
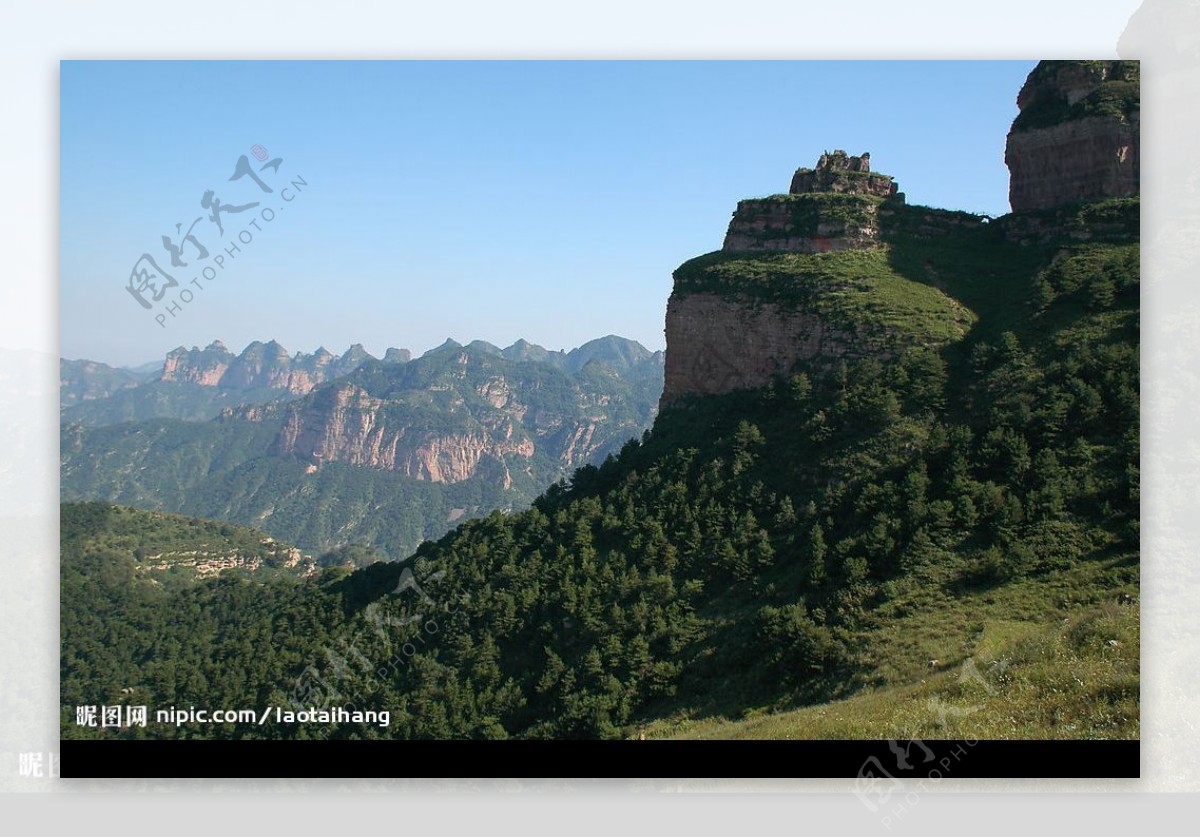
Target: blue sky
{"points": [[542, 200]]}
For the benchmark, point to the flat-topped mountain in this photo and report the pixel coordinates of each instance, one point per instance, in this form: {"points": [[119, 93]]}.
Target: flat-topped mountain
{"points": [[824, 273], [808, 275]]}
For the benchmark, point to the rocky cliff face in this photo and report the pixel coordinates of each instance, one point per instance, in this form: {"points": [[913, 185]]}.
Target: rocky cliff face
{"points": [[1076, 137], [265, 366], [717, 345], [802, 224], [346, 424], [205, 367], [461, 411]]}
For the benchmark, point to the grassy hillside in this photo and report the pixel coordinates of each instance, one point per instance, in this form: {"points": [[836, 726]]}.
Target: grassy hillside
{"points": [[853, 290], [173, 551], [1052, 656]]}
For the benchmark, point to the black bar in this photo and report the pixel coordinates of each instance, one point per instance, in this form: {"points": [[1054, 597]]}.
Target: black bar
{"points": [[177, 758]]}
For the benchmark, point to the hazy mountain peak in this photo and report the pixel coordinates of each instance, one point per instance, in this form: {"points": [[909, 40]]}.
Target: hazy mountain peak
{"points": [[449, 343], [484, 346]]}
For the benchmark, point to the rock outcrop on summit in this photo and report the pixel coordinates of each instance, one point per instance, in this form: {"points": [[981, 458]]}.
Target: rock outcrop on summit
{"points": [[837, 171], [831, 207]]}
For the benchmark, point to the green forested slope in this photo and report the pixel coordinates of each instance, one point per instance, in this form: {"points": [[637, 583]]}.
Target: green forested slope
{"points": [[849, 540]]}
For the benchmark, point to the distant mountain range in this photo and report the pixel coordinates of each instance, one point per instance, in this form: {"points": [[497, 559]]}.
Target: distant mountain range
{"points": [[85, 381], [323, 451], [196, 384]]}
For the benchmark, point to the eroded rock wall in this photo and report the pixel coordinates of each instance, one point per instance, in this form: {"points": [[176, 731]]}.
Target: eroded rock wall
{"points": [[718, 344], [1077, 136]]}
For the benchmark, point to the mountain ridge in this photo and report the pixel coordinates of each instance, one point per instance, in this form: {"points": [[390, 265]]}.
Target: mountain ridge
{"points": [[197, 384], [457, 431]]}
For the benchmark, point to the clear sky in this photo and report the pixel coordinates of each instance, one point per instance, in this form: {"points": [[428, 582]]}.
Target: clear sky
{"points": [[540, 200]]}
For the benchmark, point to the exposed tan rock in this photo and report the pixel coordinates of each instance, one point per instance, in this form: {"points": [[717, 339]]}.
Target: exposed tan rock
{"points": [[344, 425], [1083, 160], [496, 392], [338, 426], [716, 344], [205, 368], [800, 224], [456, 457], [579, 447], [1077, 136]]}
